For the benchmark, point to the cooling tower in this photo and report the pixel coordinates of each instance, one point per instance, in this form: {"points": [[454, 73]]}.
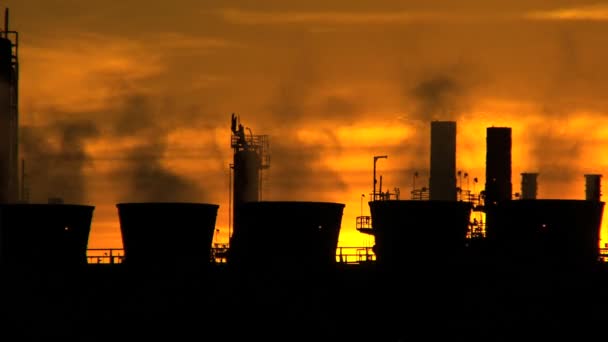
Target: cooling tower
{"points": [[419, 233], [175, 235], [286, 236], [547, 231], [498, 165], [442, 182], [44, 235]]}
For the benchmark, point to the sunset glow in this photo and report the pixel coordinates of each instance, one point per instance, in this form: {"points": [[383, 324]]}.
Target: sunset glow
{"points": [[132, 102]]}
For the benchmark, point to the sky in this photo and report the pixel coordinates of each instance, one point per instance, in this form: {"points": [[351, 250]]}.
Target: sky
{"points": [[131, 100]]}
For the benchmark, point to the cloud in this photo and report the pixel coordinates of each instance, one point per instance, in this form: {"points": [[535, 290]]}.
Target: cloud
{"points": [[193, 43], [597, 12], [80, 73], [85, 72], [249, 17]]}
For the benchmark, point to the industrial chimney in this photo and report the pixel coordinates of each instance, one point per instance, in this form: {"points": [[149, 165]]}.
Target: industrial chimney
{"points": [[9, 117], [529, 185], [593, 187], [498, 165], [442, 181]]}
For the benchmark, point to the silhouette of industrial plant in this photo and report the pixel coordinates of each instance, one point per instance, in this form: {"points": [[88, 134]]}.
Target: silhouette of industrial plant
{"points": [[531, 269]]}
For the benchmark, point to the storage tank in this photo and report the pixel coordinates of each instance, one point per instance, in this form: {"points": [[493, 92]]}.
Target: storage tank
{"points": [[285, 236], [174, 235], [44, 235]]}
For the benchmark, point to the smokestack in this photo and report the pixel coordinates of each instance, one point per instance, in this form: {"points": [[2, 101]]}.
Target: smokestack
{"points": [[442, 181], [9, 116], [498, 165], [593, 187], [529, 185]]}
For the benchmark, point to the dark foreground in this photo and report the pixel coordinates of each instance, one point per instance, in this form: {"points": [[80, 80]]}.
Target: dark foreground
{"points": [[348, 303]]}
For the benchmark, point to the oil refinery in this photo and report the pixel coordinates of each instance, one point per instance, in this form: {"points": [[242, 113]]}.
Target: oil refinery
{"points": [[447, 262]]}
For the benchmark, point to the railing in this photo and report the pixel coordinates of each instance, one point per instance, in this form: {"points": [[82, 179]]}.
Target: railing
{"points": [[364, 224], [105, 255], [355, 255], [420, 194], [604, 254], [344, 255]]}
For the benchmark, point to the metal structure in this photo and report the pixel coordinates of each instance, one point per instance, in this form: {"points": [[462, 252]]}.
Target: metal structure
{"points": [[374, 193], [9, 114], [251, 157]]}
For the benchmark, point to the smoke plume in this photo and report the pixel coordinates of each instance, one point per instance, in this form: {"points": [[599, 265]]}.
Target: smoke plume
{"points": [[441, 95], [55, 160], [297, 169], [146, 175]]}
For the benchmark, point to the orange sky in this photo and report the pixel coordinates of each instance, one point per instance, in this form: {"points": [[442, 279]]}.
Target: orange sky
{"points": [[131, 100]]}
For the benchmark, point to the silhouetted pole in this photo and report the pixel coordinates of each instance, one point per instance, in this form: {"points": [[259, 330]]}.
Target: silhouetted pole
{"points": [[375, 181], [23, 199], [6, 21], [475, 180], [362, 197], [230, 218]]}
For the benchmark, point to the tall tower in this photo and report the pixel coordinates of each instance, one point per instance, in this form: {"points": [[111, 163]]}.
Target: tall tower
{"points": [[250, 158], [9, 114], [498, 165], [529, 185], [442, 182], [593, 186]]}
